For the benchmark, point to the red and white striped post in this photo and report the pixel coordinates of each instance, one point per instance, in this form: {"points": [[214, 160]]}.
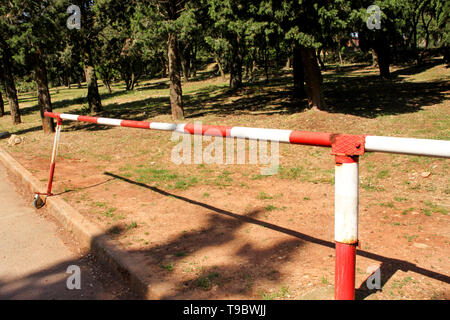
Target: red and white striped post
{"points": [[345, 225], [346, 148], [54, 154], [38, 202]]}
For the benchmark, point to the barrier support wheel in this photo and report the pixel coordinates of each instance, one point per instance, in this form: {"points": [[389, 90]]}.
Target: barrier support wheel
{"points": [[38, 202]]}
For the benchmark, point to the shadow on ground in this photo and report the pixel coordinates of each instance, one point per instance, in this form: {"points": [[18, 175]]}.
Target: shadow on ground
{"points": [[221, 228], [348, 90]]}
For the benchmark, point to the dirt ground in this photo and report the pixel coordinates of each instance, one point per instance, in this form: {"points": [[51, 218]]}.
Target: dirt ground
{"points": [[269, 238], [226, 232]]}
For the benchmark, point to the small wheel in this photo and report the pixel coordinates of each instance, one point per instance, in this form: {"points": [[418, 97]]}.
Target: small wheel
{"points": [[38, 202]]}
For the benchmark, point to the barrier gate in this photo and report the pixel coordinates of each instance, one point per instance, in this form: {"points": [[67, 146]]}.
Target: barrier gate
{"points": [[346, 149]]}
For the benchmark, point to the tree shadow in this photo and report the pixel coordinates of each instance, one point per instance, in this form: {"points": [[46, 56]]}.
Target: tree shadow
{"points": [[370, 97], [359, 94], [411, 69], [217, 281], [51, 283]]}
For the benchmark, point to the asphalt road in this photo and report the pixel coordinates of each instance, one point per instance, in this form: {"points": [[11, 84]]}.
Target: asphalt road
{"points": [[35, 254]]}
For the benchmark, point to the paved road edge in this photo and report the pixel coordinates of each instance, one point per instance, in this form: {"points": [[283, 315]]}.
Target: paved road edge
{"points": [[90, 236]]}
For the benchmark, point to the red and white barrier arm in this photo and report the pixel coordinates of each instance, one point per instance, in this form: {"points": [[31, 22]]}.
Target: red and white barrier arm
{"points": [[346, 148], [423, 147], [285, 136]]}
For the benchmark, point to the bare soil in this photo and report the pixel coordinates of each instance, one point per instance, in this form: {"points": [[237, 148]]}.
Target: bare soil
{"points": [[226, 232]]}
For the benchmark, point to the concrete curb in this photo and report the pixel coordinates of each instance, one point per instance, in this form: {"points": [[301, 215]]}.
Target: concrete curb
{"points": [[90, 236]]}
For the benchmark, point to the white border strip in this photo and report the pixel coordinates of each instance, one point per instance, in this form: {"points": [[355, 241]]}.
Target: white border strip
{"points": [[109, 121], [261, 134], [421, 147], [66, 116]]}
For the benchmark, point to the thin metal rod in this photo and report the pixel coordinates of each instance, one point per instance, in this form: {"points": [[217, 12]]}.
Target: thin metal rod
{"points": [[54, 154]]}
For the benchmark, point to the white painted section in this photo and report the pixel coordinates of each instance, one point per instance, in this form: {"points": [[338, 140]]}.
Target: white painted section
{"points": [[346, 203], [56, 143], [109, 122], [167, 126], [261, 134], [66, 116], [421, 147]]}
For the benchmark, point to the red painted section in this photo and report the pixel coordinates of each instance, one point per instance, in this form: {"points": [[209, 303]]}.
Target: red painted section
{"points": [[51, 114], [348, 145], [50, 179], [219, 131], [135, 124], [345, 271], [311, 138], [88, 119]]}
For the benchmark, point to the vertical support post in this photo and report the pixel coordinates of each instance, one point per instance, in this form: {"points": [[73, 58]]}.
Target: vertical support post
{"points": [[346, 225], [54, 153]]}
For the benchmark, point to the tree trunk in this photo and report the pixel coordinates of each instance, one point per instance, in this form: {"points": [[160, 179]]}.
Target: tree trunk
{"points": [[95, 104], [374, 58], [44, 101], [219, 65], [10, 86], [313, 79], [236, 65], [288, 62], [176, 93], [426, 25], [186, 62], [107, 85], [2, 106], [383, 58], [299, 74], [322, 65], [194, 61]]}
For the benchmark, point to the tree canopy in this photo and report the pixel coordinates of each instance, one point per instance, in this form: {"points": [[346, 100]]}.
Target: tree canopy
{"points": [[132, 40]]}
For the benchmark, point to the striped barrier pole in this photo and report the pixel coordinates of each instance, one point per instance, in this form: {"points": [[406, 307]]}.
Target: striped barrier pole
{"points": [[345, 225], [346, 148], [39, 202]]}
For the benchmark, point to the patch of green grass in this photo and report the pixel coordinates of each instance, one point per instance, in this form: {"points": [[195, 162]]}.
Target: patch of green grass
{"points": [[206, 282], [406, 211], [168, 267], [132, 225], [426, 212], [224, 179], [435, 208], [264, 196], [368, 185], [109, 213], [383, 174], [100, 204], [280, 294], [387, 204], [170, 179]]}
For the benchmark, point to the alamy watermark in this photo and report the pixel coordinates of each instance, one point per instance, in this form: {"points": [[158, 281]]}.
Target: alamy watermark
{"points": [[74, 280], [373, 282], [234, 151], [374, 20], [74, 20]]}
